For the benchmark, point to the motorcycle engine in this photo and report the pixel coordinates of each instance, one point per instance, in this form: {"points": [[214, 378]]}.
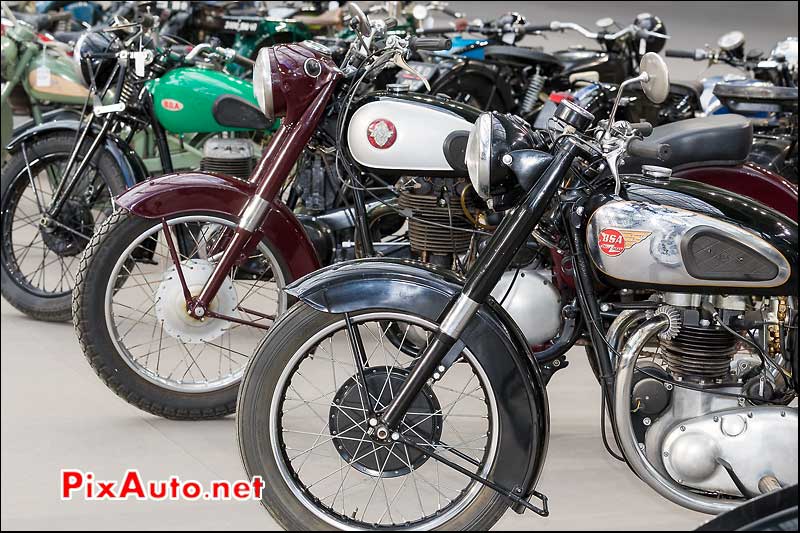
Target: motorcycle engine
{"points": [[233, 157], [441, 217], [705, 405]]}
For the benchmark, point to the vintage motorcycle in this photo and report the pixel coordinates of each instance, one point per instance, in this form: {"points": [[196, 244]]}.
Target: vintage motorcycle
{"points": [[767, 94], [178, 286], [397, 395], [38, 77], [57, 185]]}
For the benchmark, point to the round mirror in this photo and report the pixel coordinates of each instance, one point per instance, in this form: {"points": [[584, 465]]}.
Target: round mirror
{"points": [[420, 12], [358, 14], [731, 41], [604, 23], [656, 86]]}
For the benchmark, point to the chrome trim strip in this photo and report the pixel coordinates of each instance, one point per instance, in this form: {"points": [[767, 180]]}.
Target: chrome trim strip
{"points": [[459, 316], [253, 214]]}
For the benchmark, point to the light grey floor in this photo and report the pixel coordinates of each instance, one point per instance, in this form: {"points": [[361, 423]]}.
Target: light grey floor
{"points": [[56, 414]]}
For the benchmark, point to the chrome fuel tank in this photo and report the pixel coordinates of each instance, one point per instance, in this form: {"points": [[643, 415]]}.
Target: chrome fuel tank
{"points": [[410, 134], [635, 243]]}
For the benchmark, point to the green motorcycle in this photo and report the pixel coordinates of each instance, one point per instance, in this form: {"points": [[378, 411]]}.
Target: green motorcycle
{"points": [[57, 185], [39, 79]]}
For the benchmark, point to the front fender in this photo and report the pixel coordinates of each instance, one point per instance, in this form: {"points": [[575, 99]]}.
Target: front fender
{"points": [[128, 161], [492, 336], [193, 192]]}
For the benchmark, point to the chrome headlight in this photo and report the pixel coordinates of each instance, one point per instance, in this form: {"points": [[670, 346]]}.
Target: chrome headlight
{"points": [[262, 83], [493, 136], [479, 155]]}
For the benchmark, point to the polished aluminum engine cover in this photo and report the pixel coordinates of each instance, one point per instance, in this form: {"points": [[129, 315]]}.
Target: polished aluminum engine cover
{"points": [[755, 441], [658, 245], [533, 302], [402, 135]]}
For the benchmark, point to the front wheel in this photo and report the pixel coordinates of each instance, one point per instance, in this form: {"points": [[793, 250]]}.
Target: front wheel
{"points": [[130, 313], [303, 427], [39, 263]]}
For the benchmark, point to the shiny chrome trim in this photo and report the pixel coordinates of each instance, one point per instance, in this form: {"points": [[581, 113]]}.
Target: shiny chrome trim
{"points": [[459, 316], [253, 214], [657, 258], [628, 443]]}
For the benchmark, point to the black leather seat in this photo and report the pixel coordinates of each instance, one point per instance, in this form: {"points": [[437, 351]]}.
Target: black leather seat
{"points": [[694, 86], [710, 141], [520, 54]]}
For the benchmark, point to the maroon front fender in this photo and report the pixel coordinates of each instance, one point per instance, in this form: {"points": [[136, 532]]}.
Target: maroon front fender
{"points": [[749, 180], [194, 192]]}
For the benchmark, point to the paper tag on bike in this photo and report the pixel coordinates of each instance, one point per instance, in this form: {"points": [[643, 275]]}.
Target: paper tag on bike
{"points": [[140, 60], [43, 77]]}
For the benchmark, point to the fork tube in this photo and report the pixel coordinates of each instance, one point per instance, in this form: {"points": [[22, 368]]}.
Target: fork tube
{"points": [[484, 276], [66, 186], [268, 178]]}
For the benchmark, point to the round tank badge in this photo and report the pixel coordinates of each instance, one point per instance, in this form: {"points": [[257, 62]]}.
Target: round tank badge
{"points": [[171, 105], [614, 242], [381, 134]]}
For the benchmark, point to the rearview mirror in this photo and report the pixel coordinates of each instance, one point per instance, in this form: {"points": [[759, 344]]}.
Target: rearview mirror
{"points": [[656, 82]]}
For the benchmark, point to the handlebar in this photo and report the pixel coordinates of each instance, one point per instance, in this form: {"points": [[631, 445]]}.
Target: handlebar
{"points": [[645, 128], [533, 28], [697, 55], [649, 150], [432, 44]]}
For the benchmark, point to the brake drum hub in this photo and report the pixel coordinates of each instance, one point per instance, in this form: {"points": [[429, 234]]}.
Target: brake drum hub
{"points": [[171, 303], [386, 459]]}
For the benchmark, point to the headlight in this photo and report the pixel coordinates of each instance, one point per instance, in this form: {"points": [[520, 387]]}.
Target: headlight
{"points": [[88, 65], [262, 83], [479, 155], [493, 136]]}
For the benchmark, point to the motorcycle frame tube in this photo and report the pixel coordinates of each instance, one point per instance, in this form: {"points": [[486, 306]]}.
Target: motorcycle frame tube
{"points": [[268, 178], [484, 276]]}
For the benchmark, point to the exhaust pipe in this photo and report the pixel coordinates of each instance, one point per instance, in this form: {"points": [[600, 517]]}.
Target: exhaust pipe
{"points": [[663, 323]]}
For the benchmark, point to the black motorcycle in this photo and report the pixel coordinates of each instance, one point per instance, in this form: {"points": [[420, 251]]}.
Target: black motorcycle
{"points": [[397, 395]]}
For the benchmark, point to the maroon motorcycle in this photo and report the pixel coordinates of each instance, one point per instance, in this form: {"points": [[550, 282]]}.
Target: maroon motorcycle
{"points": [[183, 281]]}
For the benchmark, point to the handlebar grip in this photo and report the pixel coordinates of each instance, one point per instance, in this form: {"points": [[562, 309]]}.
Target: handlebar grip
{"points": [[432, 44], [686, 54], [649, 150], [532, 28], [644, 127], [436, 31]]}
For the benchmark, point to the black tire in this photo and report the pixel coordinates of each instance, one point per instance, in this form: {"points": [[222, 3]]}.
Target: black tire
{"points": [[51, 306], [255, 446], [88, 311]]}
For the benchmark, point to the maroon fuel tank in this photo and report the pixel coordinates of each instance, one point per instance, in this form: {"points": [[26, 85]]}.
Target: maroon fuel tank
{"points": [[187, 192], [749, 180]]}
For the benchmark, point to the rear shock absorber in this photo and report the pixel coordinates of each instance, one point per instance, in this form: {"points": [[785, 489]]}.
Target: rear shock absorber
{"points": [[532, 92]]}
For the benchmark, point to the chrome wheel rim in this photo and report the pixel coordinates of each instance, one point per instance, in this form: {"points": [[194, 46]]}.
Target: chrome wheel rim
{"points": [[422, 490], [145, 344]]}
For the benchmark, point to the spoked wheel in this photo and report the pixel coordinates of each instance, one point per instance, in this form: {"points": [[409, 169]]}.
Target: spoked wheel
{"points": [[303, 427], [39, 262], [131, 317]]}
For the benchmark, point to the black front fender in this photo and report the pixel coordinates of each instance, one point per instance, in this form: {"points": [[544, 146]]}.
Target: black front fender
{"points": [[130, 164], [492, 336]]}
